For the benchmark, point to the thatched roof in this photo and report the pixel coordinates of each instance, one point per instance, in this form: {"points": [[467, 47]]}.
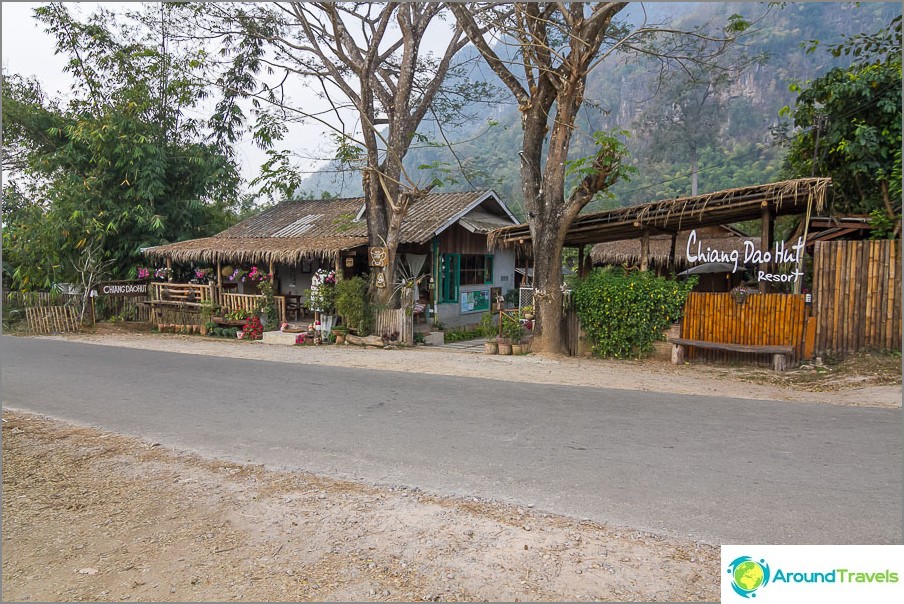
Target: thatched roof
{"points": [[295, 230], [627, 251], [674, 215], [252, 250]]}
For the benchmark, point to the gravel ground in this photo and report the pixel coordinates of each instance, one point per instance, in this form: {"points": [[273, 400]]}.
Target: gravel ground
{"points": [[89, 515]]}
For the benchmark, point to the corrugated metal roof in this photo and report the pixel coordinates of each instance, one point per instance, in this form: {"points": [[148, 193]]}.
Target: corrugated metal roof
{"points": [[299, 227]]}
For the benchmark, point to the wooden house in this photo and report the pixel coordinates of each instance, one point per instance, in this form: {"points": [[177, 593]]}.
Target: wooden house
{"points": [[443, 247]]}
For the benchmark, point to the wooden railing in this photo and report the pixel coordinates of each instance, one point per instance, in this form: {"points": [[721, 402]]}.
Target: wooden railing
{"points": [[232, 302], [189, 294]]}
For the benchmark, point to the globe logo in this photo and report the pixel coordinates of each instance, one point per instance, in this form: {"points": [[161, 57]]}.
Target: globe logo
{"points": [[748, 575]]}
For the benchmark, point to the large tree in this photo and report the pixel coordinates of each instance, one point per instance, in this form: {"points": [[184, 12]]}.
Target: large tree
{"points": [[118, 165], [850, 128], [368, 61], [556, 45]]}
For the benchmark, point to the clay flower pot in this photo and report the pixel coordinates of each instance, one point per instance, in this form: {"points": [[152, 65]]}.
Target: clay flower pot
{"points": [[517, 349], [491, 347]]}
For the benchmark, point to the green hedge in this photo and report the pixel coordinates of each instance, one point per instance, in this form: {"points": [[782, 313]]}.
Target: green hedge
{"points": [[624, 313]]}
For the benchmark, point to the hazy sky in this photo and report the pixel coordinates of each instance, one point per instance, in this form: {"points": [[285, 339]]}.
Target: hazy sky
{"points": [[28, 51]]}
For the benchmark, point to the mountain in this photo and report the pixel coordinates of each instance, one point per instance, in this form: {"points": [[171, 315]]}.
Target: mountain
{"points": [[741, 149]]}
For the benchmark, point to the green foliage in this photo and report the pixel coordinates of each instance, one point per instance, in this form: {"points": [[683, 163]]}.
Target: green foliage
{"points": [[458, 334], [268, 304], [512, 330], [856, 112], [353, 304], [489, 326], [624, 313], [119, 165]]}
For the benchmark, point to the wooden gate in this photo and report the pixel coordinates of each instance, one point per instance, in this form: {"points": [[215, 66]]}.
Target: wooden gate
{"points": [[395, 321], [752, 320], [857, 296]]}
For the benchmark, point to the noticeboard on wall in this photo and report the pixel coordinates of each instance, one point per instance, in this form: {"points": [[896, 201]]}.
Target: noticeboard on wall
{"points": [[475, 301]]}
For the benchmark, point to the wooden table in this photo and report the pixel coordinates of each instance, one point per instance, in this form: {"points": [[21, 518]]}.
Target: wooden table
{"points": [[294, 305]]}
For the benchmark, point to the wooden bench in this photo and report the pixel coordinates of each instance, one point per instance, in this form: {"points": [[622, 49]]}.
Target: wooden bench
{"points": [[780, 354]]}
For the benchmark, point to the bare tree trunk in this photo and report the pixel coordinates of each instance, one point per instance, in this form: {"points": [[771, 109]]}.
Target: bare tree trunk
{"points": [[548, 330]]}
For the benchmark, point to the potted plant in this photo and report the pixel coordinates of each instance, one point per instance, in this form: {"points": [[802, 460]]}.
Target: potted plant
{"points": [[488, 329], [527, 312], [207, 327], [514, 331], [340, 332]]}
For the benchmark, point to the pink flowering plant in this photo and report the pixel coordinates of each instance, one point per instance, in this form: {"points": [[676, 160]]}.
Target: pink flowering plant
{"points": [[202, 275], [160, 274], [255, 275]]}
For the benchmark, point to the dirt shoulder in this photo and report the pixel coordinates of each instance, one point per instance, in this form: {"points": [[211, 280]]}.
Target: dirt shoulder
{"points": [[865, 380], [89, 515]]}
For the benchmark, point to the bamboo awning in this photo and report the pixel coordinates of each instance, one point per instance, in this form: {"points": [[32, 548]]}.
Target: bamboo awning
{"points": [[669, 216]]}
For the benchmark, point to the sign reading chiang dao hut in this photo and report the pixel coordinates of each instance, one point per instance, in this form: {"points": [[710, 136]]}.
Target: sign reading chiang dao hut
{"points": [[781, 254], [123, 288]]}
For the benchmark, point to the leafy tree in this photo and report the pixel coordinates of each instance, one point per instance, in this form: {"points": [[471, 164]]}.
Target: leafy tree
{"points": [[118, 166], [557, 45], [367, 59], [850, 127]]}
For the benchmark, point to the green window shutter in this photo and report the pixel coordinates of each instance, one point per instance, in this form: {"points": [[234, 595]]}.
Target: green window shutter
{"points": [[488, 269], [450, 278]]}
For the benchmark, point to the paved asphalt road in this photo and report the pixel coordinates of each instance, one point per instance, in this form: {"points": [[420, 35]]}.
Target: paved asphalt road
{"points": [[719, 469]]}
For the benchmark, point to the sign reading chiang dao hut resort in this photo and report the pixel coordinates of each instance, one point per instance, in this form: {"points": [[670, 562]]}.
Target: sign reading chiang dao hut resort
{"points": [[782, 253]]}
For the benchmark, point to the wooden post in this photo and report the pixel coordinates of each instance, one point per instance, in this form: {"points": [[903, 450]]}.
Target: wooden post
{"points": [[338, 266], [766, 231], [671, 265], [645, 251], [272, 274], [581, 262], [169, 266], [779, 362]]}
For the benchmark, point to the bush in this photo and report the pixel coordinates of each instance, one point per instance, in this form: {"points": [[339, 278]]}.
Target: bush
{"points": [[623, 314], [353, 305]]}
